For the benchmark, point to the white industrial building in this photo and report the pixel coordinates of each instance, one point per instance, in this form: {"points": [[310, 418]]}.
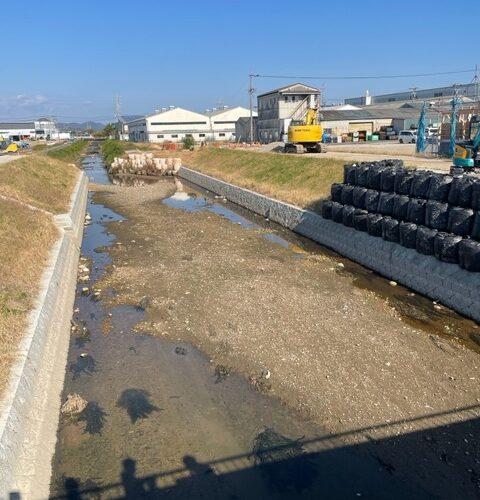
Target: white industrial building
{"points": [[174, 123], [43, 128]]}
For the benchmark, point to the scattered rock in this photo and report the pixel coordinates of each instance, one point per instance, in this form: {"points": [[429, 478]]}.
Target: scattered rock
{"points": [[85, 290], [392, 283], [144, 303], [181, 351], [74, 405]]}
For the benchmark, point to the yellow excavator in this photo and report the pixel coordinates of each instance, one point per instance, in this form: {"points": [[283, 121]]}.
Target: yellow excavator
{"points": [[305, 136]]}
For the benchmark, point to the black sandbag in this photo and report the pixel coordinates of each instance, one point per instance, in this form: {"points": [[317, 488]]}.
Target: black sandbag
{"points": [[359, 194], [408, 234], [416, 211], [439, 187], [403, 181], [461, 191], [426, 240], [445, 247], [385, 203], [347, 194], [373, 177], [349, 174], [420, 183], [348, 215], [436, 215], [400, 206], [469, 255], [475, 201], [360, 219], [387, 180], [337, 212], [475, 232], [374, 224], [460, 220], [361, 175], [390, 229], [392, 162], [327, 209], [336, 192], [371, 200]]}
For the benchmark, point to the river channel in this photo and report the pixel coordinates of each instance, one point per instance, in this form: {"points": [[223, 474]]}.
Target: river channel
{"points": [[160, 423]]}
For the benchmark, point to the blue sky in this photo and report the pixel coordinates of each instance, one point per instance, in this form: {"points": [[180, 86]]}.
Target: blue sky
{"points": [[70, 59]]}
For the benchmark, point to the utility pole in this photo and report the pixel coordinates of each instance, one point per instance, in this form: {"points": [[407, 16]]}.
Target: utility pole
{"points": [[251, 91], [413, 93], [118, 112], [475, 81]]}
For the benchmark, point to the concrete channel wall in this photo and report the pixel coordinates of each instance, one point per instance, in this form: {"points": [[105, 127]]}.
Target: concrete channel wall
{"points": [[446, 283], [30, 410]]}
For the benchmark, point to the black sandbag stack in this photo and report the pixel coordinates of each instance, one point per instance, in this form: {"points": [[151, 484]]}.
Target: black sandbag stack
{"points": [[436, 214]]}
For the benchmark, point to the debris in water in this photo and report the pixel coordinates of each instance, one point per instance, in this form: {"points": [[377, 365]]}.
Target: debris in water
{"points": [[143, 304], [85, 290], [74, 405], [181, 351], [221, 372]]}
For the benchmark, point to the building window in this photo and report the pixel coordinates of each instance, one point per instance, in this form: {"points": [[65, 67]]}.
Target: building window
{"points": [[201, 135], [160, 136], [221, 134], [174, 136], [438, 94], [391, 99]]}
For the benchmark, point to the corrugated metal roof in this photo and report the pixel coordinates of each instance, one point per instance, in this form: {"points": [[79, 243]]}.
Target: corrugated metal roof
{"points": [[370, 114], [295, 88], [17, 125]]}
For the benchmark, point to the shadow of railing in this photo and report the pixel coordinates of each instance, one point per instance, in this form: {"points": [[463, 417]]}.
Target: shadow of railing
{"points": [[429, 456]]}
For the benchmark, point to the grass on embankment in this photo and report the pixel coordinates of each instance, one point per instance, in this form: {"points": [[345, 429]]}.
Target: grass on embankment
{"points": [[69, 153], [27, 237], [39, 181], [303, 181], [114, 148]]}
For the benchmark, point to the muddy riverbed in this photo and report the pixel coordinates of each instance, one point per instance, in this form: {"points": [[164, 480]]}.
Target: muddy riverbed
{"points": [[222, 357]]}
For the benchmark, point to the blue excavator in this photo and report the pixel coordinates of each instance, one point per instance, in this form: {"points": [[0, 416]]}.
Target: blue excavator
{"points": [[466, 151]]}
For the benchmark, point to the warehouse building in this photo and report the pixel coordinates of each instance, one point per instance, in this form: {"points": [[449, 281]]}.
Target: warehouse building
{"points": [[174, 123], [43, 128], [344, 123], [277, 108], [468, 91]]}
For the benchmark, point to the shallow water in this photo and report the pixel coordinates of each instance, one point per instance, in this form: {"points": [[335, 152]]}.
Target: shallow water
{"points": [[163, 421]]}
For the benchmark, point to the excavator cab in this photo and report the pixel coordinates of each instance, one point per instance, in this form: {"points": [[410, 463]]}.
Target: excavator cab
{"points": [[466, 151]]}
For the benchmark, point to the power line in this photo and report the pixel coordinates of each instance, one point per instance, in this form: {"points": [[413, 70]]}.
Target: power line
{"points": [[363, 77]]}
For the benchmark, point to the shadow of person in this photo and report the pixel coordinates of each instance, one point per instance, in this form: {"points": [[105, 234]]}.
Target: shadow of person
{"points": [[201, 482], [133, 486]]}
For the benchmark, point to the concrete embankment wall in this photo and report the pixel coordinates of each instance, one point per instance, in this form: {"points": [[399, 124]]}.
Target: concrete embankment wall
{"points": [[447, 283], [29, 412]]}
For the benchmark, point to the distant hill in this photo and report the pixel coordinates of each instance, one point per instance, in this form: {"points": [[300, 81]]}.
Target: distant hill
{"points": [[81, 126]]}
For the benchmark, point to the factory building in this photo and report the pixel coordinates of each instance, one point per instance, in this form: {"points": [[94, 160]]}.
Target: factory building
{"points": [[365, 122], [277, 108], [174, 123], [468, 91], [43, 128]]}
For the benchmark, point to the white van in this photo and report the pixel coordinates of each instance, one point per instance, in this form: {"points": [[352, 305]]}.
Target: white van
{"points": [[407, 137]]}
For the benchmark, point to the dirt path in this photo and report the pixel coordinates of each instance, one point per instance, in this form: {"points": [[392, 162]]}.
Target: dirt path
{"points": [[291, 321]]}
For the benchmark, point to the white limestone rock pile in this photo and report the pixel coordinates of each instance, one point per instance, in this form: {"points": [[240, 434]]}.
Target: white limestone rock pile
{"points": [[144, 164]]}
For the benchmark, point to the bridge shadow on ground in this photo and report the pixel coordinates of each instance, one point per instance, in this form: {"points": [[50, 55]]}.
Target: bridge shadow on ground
{"points": [[437, 461]]}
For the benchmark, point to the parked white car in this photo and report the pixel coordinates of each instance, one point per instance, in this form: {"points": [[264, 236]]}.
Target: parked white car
{"points": [[407, 137]]}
